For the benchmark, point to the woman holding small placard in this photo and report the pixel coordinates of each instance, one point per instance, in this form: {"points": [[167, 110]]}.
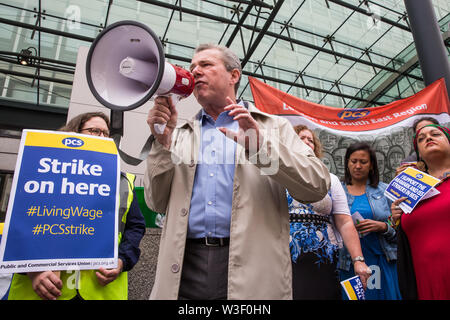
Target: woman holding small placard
{"points": [[423, 235], [365, 195], [317, 231]]}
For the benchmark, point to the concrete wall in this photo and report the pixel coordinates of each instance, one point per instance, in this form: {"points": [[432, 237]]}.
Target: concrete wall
{"points": [[142, 276], [9, 147]]}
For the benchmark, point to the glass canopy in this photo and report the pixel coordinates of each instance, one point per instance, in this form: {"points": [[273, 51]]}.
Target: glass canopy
{"points": [[341, 53]]}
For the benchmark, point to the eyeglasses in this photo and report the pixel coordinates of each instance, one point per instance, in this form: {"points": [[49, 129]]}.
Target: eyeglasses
{"points": [[97, 131]]}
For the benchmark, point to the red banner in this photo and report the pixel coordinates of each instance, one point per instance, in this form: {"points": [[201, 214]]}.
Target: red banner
{"points": [[387, 128], [431, 100]]}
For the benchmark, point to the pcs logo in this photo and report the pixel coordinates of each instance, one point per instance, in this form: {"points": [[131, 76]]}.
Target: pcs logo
{"points": [[353, 114], [73, 142]]}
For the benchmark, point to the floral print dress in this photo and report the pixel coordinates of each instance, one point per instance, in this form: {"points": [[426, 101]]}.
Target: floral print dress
{"points": [[314, 244], [319, 238]]}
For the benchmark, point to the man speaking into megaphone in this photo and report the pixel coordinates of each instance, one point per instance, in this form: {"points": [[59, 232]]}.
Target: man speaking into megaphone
{"points": [[226, 232]]}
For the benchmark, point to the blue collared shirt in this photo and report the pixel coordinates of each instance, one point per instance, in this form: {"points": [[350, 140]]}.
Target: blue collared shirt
{"points": [[212, 194]]}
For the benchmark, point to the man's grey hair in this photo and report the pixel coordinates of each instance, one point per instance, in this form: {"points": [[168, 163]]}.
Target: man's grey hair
{"points": [[229, 58]]}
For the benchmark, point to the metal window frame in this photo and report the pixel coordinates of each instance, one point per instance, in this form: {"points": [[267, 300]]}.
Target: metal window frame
{"points": [[254, 9]]}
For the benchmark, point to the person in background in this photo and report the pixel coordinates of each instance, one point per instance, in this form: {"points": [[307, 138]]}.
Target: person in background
{"points": [[423, 234], [382, 166], [327, 159], [329, 140], [382, 144], [394, 159], [411, 160], [102, 284], [226, 231], [339, 157], [365, 195], [315, 237]]}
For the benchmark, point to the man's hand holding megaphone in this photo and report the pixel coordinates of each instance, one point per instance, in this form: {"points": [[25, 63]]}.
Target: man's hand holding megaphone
{"points": [[163, 111]]}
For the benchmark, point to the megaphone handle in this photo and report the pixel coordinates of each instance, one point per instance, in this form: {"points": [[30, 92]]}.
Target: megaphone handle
{"points": [[159, 127], [132, 160]]}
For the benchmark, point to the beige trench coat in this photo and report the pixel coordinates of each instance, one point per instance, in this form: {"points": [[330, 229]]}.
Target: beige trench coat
{"points": [[259, 256]]}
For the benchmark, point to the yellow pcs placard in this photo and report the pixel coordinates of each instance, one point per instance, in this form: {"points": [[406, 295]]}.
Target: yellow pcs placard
{"points": [[350, 291], [354, 289], [69, 140], [421, 176]]}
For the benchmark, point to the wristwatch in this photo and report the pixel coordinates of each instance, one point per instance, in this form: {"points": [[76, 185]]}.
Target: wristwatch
{"points": [[358, 258]]}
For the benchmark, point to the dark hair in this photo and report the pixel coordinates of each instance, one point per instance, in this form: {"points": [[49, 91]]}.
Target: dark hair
{"points": [[76, 123], [430, 119], [374, 175]]}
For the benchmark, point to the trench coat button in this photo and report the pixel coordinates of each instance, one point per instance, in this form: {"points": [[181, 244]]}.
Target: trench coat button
{"points": [[175, 268], [184, 212]]}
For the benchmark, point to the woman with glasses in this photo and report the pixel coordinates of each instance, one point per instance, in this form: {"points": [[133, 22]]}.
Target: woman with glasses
{"points": [[93, 123], [102, 284]]}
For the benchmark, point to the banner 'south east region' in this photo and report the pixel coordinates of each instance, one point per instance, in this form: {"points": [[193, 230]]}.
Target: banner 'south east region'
{"points": [[388, 128]]}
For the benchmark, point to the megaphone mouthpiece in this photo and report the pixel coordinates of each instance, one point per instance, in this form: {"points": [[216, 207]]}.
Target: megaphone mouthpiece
{"points": [[138, 70]]}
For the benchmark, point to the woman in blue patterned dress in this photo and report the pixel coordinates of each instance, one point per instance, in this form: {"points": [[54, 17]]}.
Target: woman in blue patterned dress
{"points": [[315, 237]]}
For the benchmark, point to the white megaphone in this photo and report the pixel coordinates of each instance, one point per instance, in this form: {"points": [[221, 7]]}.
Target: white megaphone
{"points": [[126, 67]]}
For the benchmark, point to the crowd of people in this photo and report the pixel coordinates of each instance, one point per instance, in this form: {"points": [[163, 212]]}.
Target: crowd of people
{"points": [[234, 229], [246, 235]]}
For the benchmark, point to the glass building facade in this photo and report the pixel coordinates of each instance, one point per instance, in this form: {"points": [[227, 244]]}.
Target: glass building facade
{"points": [[339, 53], [336, 53]]}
